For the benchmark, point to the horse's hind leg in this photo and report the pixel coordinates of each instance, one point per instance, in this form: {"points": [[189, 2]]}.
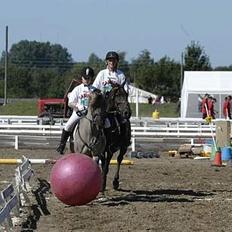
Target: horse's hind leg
{"points": [[119, 161]]}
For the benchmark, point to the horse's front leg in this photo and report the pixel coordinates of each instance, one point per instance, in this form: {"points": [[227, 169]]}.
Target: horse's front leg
{"points": [[105, 170], [119, 161], [71, 143]]}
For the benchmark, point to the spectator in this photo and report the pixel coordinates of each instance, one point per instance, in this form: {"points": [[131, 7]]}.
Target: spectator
{"points": [[150, 99], [230, 104], [227, 107], [162, 101], [204, 106], [211, 111]]}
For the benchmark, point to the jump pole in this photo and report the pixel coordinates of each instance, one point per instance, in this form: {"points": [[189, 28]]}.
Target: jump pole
{"points": [[49, 161], [33, 161]]}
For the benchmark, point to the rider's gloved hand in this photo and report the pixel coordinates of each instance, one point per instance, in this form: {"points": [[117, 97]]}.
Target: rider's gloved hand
{"points": [[80, 107], [82, 110]]}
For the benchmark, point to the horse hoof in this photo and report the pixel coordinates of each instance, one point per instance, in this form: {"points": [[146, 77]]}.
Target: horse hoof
{"points": [[115, 184]]}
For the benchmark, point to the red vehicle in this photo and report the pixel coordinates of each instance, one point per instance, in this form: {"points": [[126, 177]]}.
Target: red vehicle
{"points": [[51, 107], [56, 107]]}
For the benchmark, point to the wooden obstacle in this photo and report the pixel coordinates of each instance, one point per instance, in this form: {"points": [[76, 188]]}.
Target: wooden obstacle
{"points": [[9, 201], [24, 172], [13, 198]]}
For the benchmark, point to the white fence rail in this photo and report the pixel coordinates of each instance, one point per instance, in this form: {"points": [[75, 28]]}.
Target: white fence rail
{"points": [[30, 131]]}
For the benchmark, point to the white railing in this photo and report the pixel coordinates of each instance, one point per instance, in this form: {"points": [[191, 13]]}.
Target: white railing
{"points": [[19, 131], [30, 120], [14, 119]]}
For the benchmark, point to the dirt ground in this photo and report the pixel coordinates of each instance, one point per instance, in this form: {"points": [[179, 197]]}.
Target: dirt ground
{"points": [[156, 194]]}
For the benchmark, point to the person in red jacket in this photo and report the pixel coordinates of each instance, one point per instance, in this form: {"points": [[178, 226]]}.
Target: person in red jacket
{"points": [[204, 106], [227, 107], [211, 111]]}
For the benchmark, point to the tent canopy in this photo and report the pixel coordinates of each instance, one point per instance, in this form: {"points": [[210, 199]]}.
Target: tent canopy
{"points": [[197, 83]]}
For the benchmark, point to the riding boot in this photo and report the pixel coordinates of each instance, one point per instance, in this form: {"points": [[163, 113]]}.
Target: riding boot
{"points": [[64, 137]]}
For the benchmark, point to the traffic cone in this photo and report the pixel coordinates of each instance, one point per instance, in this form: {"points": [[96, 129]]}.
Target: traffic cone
{"points": [[218, 159]]}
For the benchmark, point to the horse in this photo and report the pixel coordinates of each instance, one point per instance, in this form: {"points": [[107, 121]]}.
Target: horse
{"points": [[88, 135], [118, 135]]}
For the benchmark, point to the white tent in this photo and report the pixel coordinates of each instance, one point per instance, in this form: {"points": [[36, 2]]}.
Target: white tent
{"points": [[136, 94], [197, 83]]}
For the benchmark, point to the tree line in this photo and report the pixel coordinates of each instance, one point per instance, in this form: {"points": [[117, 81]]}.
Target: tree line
{"points": [[41, 69]]}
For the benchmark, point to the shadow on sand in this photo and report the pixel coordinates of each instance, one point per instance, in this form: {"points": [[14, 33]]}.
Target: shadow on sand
{"points": [[161, 195], [38, 209]]}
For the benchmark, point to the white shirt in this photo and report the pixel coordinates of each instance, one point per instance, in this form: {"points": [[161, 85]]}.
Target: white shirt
{"points": [[79, 97], [105, 76]]}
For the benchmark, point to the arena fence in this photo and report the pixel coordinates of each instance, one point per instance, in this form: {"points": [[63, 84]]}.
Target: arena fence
{"points": [[29, 131]]}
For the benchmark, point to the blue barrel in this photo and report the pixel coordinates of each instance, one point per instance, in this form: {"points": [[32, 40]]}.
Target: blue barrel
{"points": [[226, 153]]}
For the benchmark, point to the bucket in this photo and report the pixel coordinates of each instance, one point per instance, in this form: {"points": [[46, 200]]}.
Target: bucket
{"points": [[207, 150], [213, 151], [155, 115], [226, 153]]}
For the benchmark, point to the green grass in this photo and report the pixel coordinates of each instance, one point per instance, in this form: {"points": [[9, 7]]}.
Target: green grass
{"points": [[29, 107], [21, 107], [165, 110]]}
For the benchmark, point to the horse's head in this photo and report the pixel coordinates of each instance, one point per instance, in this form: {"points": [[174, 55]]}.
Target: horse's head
{"points": [[117, 100], [97, 107]]}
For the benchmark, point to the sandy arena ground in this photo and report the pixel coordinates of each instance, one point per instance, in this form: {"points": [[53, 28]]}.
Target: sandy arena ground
{"points": [[156, 194]]}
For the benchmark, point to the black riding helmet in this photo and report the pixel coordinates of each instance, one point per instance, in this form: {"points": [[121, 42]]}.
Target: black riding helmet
{"points": [[87, 72], [113, 55]]}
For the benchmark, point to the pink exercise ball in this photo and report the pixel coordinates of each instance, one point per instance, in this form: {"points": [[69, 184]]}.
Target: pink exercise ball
{"points": [[75, 179]]}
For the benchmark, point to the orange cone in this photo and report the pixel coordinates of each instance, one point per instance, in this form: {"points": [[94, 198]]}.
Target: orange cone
{"points": [[218, 159]]}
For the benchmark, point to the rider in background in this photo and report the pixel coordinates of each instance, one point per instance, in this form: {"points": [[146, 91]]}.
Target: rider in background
{"points": [[78, 101], [111, 74], [106, 77]]}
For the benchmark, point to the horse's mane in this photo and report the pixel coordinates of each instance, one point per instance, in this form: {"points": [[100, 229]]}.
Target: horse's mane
{"points": [[97, 107], [117, 88], [96, 98], [117, 98]]}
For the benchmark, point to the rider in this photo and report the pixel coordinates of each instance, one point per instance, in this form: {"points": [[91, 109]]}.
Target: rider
{"points": [[110, 75], [78, 101]]}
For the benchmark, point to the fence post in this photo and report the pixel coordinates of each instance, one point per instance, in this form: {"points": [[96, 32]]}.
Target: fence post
{"points": [[133, 144], [16, 142], [192, 142]]}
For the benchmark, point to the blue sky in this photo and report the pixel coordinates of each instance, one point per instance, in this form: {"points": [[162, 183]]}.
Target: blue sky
{"points": [[85, 26]]}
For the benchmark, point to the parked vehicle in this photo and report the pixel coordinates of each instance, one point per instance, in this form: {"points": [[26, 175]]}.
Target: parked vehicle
{"points": [[50, 108]]}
